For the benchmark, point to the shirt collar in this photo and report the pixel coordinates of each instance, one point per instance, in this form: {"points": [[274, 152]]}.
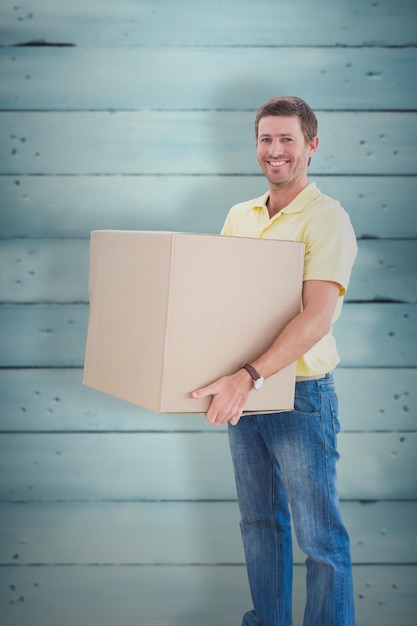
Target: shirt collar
{"points": [[309, 193]]}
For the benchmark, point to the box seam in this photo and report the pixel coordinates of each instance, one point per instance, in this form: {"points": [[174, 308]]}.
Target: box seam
{"points": [[167, 311]]}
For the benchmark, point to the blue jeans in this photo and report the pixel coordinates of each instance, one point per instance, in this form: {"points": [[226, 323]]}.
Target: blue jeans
{"points": [[287, 461]]}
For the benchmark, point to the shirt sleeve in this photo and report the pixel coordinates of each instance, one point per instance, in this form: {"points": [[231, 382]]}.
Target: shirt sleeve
{"points": [[331, 247]]}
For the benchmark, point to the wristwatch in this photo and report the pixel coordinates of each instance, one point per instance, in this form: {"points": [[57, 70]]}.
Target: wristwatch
{"points": [[258, 380]]}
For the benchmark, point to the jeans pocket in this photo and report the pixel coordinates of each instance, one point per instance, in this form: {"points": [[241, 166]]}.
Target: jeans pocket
{"points": [[307, 403]]}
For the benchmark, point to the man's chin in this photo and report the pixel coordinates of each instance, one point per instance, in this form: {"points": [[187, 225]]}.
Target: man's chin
{"points": [[279, 181]]}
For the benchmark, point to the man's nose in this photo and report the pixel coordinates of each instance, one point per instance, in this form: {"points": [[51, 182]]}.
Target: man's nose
{"points": [[275, 147]]}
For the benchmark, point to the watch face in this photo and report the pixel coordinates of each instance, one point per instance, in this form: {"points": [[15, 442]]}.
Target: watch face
{"points": [[258, 383]]}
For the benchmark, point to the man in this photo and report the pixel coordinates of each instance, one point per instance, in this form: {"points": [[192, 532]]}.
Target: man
{"points": [[287, 460]]}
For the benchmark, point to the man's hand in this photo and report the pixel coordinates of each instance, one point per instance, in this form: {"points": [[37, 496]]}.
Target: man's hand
{"points": [[229, 397]]}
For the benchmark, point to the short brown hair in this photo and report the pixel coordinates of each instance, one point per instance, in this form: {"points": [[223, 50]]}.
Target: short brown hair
{"points": [[287, 106]]}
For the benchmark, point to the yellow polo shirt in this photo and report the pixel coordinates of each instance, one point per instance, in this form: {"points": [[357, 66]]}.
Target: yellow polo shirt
{"points": [[324, 226]]}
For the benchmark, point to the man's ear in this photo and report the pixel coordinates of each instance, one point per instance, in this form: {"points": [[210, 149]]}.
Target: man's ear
{"points": [[314, 144]]}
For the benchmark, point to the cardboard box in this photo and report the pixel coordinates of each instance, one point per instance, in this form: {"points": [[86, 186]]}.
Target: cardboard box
{"points": [[171, 312]]}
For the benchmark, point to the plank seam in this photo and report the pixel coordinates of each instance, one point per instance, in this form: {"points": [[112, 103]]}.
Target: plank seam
{"points": [[225, 564], [362, 502], [370, 46], [181, 432], [195, 110], [192, 175]]}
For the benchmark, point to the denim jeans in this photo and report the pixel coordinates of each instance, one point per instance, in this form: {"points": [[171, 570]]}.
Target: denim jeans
{"points": [[287, 462]]}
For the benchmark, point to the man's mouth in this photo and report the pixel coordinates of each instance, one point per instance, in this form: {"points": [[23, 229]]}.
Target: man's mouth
{"points": [[277, 163]]}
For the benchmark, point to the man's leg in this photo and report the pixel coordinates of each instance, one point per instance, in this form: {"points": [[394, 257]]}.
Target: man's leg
{"points": [[265, 525], [305, 441]]}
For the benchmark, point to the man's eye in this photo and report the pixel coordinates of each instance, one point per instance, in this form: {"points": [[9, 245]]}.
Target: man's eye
{"points": [[265, 139]]}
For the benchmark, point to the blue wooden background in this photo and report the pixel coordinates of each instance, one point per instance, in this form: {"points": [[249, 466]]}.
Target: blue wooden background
{"points": [[139, 115]]}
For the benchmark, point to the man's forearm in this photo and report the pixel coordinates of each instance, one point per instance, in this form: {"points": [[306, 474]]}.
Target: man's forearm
{"points": [[300, 334]]}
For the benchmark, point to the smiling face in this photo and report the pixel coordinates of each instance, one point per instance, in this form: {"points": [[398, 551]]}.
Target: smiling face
{"points": [[283, 152]]}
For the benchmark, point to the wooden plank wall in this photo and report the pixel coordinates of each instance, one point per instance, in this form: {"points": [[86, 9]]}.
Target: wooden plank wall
{"points": [[139, 115]]}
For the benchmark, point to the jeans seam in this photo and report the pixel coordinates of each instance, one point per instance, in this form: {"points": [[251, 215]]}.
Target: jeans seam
{"points": [[276, 564], [272, 499], [330, 497]]}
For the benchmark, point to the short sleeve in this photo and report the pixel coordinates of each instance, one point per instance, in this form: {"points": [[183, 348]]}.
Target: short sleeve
{"points": [[331, 246]]}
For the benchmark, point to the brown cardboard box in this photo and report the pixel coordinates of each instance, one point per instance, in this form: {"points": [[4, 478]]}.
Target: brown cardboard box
{"points": [[171, 312]]}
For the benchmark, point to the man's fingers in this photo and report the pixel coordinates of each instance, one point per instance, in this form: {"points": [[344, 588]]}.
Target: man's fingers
{"points": [[234, 421], [203, 392], [223, 407]]}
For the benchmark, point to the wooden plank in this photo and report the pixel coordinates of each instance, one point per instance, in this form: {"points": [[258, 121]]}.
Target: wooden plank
{"points": [[93, 596], [194, 142], [374, 204], [135, 533], [56, 270], [385, 270], [376, 335], [207, 595], [131, 23], [68, 206], [53, 335], [73, 206], [201, 78], [180, 466], [384, 596], [376, 399], [55, 400], [44, 334]]}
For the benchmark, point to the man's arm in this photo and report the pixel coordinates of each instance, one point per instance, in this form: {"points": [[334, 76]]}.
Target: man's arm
{"points": [[301, 333]]}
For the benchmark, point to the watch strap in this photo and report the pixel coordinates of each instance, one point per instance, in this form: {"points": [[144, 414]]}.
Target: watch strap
{"points": [[251, 371]]}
